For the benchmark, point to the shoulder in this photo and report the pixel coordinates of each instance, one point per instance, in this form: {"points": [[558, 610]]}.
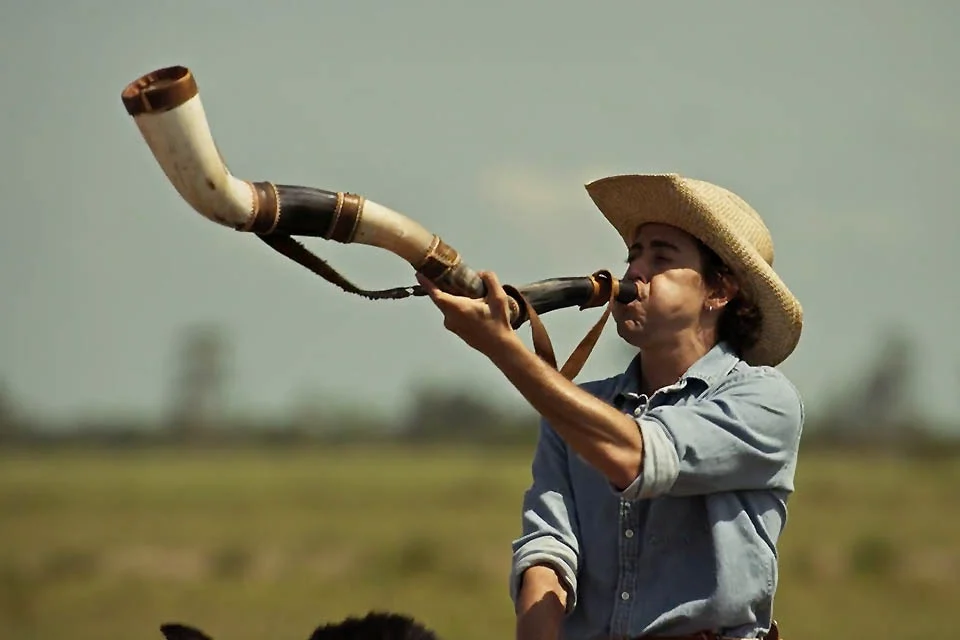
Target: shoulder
{"points": [[755, 380], [755, 391]]}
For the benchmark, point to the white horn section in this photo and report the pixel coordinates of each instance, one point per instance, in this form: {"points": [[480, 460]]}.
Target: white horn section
{"points": [[166, 107]]}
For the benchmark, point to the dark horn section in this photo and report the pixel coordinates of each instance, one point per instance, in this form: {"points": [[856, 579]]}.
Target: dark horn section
{"points": [[305, 211], [556, 293], [459, 280], [628, 292], [293, 210], [177, 631], [576, 291]]}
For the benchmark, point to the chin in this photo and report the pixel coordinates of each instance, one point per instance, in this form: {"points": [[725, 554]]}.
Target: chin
{"points": [[631, 331]]}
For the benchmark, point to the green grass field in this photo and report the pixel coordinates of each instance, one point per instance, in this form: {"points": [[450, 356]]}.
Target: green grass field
{"points": [[257, 545]]}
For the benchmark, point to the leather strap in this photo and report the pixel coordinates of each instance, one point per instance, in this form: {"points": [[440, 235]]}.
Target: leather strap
{"points": [[292, 249], [605, 282], [542, 344]]}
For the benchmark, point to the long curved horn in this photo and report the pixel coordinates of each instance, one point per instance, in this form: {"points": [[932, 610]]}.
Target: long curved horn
{"points": [[166, 107]]}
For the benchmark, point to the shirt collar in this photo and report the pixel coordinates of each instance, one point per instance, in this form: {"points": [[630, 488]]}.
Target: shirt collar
{"points": [[715, 363]]}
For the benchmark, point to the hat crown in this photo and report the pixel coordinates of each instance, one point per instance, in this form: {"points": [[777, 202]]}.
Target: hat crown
{"points": [[742, 219]]}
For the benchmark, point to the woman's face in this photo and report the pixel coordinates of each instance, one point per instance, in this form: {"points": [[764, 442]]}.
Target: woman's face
{"points": [[667, 264]]}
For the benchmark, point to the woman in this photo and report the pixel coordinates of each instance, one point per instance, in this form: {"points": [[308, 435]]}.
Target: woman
{"points": [[659, 493]]}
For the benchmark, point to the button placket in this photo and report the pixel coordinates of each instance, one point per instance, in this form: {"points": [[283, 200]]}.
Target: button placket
{"points": [[628, 546]]}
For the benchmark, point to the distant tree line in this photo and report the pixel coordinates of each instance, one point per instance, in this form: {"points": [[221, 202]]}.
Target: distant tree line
{"points": [[873, 411]]}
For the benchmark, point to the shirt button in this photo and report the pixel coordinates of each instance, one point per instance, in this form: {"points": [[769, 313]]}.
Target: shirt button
{"points": [[624, 596], [628, 533]]}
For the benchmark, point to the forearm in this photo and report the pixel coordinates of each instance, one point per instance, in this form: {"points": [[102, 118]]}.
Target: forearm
{"points": [[603, 436], [541, 605]]}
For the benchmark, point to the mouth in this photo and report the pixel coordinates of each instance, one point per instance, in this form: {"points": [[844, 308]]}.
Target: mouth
{"points": [[643, 292]]}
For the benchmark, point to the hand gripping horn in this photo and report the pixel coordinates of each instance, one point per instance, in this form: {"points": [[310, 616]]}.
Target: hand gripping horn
{"points": [[165, 105]]}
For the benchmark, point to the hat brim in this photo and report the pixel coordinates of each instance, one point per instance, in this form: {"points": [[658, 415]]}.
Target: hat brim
{"points": [[628, 201]]}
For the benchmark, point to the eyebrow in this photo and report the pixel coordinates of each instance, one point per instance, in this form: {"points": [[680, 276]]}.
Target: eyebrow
{"points": [[656, 244]]}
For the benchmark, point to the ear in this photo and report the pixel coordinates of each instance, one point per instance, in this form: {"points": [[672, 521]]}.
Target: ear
{"points": [[721, 294], [175, 631]]}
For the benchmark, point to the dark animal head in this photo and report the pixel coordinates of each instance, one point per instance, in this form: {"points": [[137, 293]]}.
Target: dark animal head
{"points": [[174, 631], [375, 625]]}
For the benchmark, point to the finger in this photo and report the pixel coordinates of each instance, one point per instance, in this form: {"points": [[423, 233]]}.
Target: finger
{"points": [[433, 292], [443, 300], [429, 287], [426, 283], [496, 295], [494, 288]]}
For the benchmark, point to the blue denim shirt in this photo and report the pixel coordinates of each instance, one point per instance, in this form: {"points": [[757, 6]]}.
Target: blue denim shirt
{"points": [[690, 545]]}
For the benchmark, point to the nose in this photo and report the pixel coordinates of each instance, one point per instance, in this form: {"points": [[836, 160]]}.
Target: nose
{"points": [[637, 270]]}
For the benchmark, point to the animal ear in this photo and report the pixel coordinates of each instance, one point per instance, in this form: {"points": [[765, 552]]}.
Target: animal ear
{"points": [[175, 631]]}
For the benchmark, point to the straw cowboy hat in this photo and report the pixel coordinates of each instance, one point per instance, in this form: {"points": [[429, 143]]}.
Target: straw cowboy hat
{"points": [[723, 222]]}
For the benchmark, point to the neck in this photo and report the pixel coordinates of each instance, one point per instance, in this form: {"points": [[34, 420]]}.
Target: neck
{"points": [[662, 365]]}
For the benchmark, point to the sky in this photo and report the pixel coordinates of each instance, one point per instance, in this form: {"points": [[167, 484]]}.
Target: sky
{"points": [[837, 121]]}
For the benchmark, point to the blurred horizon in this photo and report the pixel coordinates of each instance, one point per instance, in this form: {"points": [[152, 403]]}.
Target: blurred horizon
{"points": [[483, 122]]}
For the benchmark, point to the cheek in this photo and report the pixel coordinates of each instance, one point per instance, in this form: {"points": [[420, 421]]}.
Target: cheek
{"points": [[675, 295]]}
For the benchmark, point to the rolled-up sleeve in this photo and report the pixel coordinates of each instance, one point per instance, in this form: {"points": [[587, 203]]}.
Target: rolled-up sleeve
{"points": [[549, 529], [742, 436]]}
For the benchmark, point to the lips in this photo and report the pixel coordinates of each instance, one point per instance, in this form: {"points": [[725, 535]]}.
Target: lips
{"points": [[643, 291]]}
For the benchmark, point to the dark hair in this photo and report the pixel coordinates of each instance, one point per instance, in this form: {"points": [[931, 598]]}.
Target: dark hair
{"points": [[740, 320], [375, 625]]}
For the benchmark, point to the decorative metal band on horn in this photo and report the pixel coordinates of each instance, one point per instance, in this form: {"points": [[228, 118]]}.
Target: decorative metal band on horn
{"points": [[165, 105]]}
